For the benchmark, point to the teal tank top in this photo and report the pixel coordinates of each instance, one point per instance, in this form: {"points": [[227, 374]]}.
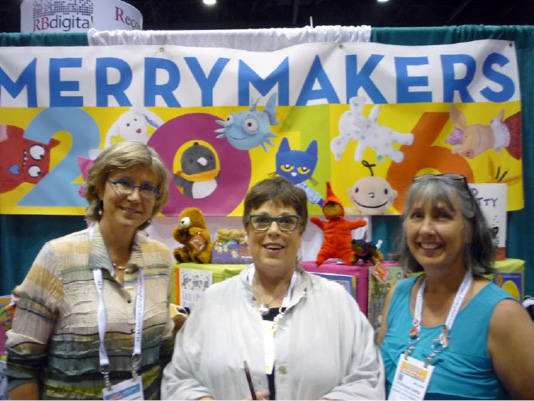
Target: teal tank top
{"points": [[463, 370]]}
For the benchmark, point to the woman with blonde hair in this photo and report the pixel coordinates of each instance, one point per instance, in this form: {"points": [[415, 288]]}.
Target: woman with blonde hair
{"points": [[93, 312]]}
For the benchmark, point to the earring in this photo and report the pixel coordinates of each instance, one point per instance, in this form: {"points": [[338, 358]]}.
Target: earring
{"points": [[100, 207], [149, 221]]}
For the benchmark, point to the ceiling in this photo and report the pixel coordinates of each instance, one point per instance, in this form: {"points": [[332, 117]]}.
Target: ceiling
{"points": [[241, 14]]}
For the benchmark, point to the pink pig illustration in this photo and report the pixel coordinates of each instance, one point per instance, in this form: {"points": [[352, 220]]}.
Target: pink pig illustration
{"points": [[470, 141]]}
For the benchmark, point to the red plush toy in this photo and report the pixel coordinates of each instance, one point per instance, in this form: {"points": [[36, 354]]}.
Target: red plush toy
{"points": [[337, 230]]}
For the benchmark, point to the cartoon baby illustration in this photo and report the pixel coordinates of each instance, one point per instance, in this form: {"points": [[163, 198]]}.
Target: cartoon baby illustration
{"points": [[371, 195]]}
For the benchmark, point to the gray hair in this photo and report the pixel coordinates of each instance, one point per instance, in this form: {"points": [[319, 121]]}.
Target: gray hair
{"points": [[453, 190], [121, 156], [280, 191]]}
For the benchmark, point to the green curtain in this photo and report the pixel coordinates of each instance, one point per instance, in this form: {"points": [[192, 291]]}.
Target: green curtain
{"points": [[21, 237], [43, 39]]}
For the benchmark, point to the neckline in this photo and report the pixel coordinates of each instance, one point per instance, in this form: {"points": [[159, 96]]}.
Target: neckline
{"points": [[468, 305]]}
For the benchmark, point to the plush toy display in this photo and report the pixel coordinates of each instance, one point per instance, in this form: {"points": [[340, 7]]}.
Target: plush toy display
{"points": [[193, 234], [366, 251], [230, 246], [337, 230], [231, 236]]}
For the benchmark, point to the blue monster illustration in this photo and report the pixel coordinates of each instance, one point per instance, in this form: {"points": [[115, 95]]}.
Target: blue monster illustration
{"points": [[298, 166], [251, 128]]}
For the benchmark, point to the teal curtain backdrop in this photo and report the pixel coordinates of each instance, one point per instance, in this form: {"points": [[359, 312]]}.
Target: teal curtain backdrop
{"points": [[22, 236]]}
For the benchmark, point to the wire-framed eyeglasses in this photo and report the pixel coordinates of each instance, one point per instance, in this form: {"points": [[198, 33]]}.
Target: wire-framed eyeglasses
{"points": [[262, 222], [126, 187], [452, 176]]}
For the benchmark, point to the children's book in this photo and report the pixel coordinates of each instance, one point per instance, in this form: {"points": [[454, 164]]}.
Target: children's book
{"points": [[347, 281], [191, 285], [377, 293]]}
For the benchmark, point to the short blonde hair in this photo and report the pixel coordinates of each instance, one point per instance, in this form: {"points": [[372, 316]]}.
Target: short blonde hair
{"points": [[121, 156]]}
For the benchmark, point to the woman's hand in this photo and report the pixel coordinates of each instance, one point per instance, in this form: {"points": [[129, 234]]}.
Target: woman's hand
{"points": [[260, 395]]}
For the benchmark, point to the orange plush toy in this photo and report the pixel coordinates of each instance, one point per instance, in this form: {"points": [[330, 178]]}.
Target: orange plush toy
{"points": [[337, 230]]}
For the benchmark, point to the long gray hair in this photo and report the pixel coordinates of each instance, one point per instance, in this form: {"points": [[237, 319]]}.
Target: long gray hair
{"points": [[453, 190]]}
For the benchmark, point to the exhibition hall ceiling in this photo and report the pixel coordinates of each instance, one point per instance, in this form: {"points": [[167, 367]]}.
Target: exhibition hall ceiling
{"points": [[240, 14]]}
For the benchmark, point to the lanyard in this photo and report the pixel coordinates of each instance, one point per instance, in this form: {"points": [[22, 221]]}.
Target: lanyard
{"points": [[269, 328], [101, 321], [442, 341]]}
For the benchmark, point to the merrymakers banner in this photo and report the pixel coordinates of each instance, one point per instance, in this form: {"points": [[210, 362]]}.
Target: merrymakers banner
{"points": [[367, 117]]}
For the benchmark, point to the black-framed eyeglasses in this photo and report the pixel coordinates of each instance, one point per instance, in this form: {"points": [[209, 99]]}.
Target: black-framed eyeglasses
{"points": [[262, 222], [126, 187]]}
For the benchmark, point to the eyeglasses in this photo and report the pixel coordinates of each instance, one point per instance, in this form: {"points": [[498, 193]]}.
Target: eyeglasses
{"points": [[452, 176], [286, 223], [125, 187], [456, 177]]}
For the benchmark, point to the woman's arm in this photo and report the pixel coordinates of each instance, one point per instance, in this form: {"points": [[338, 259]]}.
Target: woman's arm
{"points": [[33, 322], [364, 377], [180, 375], [26, 391], [383, 323], [510, 346]]}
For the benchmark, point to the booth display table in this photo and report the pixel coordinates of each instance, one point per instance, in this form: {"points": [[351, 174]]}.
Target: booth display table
{"points": [[219, 272], [369, 292]]}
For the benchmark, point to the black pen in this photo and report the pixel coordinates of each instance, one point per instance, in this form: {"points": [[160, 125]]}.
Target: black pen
{"points": [[249, 381]]}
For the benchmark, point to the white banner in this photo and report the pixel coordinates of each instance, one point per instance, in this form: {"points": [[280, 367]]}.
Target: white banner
{"points": [[302, 75]]}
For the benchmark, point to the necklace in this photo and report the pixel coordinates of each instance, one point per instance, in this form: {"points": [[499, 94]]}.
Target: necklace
{"points": [[264, 307], [121, 268]]}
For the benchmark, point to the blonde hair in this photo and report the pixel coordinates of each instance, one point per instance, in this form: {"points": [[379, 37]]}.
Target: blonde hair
{"points": [[121, 156]]}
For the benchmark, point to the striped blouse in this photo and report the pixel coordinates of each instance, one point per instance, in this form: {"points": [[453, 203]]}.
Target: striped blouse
{"points": [[54, 338]]}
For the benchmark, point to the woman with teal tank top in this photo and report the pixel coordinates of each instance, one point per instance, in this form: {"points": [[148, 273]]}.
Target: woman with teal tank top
{"points": [[449, 333]]}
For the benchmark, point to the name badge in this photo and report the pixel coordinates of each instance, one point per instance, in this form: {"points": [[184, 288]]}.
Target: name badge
{"points": [[268, 345], [411, 379], [131, 389]]}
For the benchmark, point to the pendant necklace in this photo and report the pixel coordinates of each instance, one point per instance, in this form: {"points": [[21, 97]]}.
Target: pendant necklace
{"points": [[264, 308]]}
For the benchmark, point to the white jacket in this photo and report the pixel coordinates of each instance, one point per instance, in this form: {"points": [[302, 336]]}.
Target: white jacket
{"points": [[324, 346]]}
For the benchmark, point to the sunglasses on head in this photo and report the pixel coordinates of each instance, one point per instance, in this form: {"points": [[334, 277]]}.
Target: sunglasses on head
{"points": [[451, 176], [457, 177]]}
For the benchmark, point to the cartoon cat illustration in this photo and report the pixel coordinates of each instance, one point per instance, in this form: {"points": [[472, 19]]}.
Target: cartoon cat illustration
{"points": [[22, 160], [297, 166]]}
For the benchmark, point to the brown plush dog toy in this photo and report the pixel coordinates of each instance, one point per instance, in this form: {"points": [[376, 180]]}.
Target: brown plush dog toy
{"points": [[193, 234]]}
